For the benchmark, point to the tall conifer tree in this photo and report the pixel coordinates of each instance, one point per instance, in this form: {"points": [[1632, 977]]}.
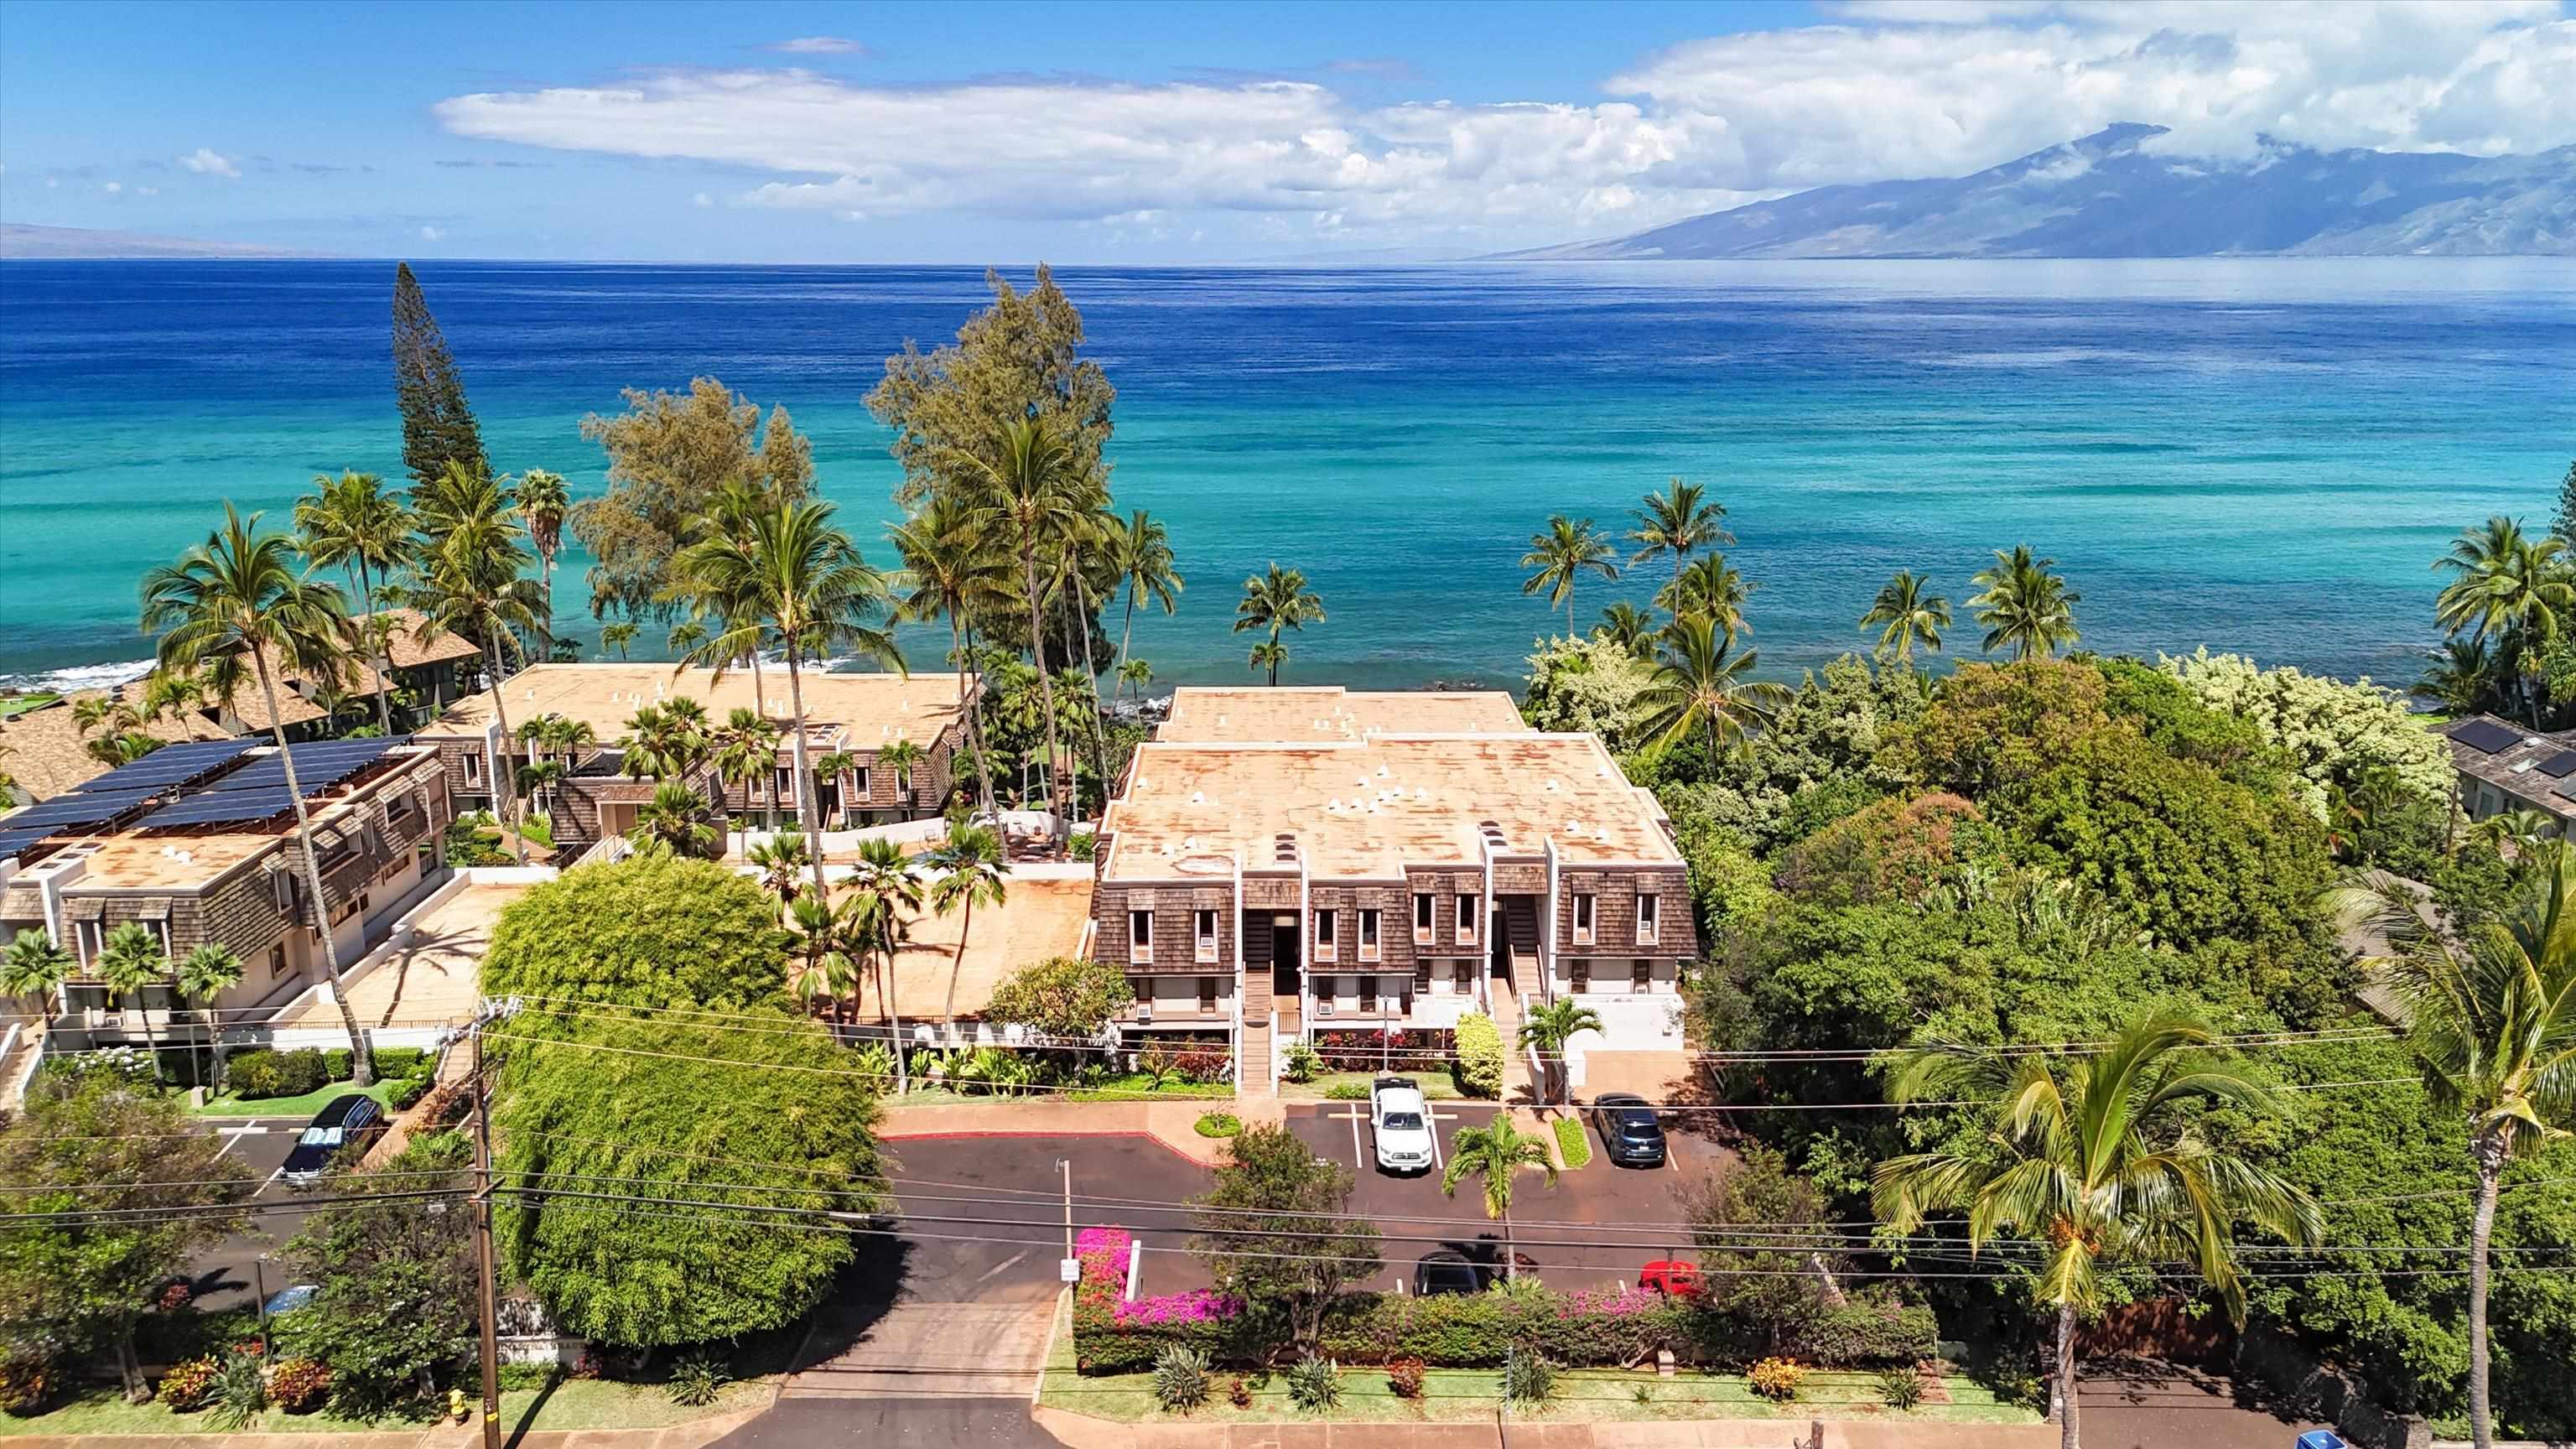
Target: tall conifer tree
{"points": [[438, 428]]}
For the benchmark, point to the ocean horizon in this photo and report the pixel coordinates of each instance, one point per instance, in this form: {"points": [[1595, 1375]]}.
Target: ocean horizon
{"points": [[2262, 456]]}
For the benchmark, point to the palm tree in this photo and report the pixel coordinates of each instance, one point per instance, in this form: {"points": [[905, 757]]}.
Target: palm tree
{"points": [[1136, 672], [617, 636], [902, 757], [2460, 678], [685, 637], [949, 569], [668, 741], [1678, 522], [35, 968], [1562, 553], [972, 873], [1143, 549], [2493, 1030], [350, 523], [224, 608], [1549, 1027], [2513, 586], [1697, 683], [676, 817], [1496, 1156], [1036, 492], [1906, 616], [1098, 535], [466, 581], [1627, 626], [2099, 1157], [129, 960], [781, 861], [809, 584], [543, 506], [541, 779], [746, 750], [818, 938], [205, 974], [885, 882], [169, 696], [1711, 589], [2025, 608], [1276, 600]]}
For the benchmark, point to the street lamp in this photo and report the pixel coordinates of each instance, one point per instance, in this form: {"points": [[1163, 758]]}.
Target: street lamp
{"points": [[259, 1276]]}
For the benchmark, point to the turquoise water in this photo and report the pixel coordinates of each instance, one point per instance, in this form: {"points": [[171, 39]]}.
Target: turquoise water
{"points": [[2259, 455]]}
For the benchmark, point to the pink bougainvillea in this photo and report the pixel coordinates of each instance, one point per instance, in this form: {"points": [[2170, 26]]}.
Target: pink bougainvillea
{"points": [[1199, 1305]]}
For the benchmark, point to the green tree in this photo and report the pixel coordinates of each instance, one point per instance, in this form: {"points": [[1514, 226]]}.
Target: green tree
{"points": [[1143, 551], [1778, 1291], [1137, 672], [618, 635], [438, 428], [670, 455], [1679, 521], [1709, 588], [903, 758], [2564, 527], [35, 968], [668, 741], [466, 581], [1562, 553], [228, 607], [885, 892], [350, 523], [1032, 491], [680, 820], [1905, 616], [1276, 600], [686, 637], [608, 1112], [2493, 1031], [2510, 586], [746, 753], [130, 959], [205, 974], [780, 861], [1276, 1229], [2097, 1157], [2025, 607], [951, 569], [652, 931], [1547, 1029], [806, 580], [971, 872], [1268, 655], [1068, 998], [394, 1311], [1698, 685], [120, 1191], [543, 506], [1496, 1156], [1588, 685], [1627, 626]]}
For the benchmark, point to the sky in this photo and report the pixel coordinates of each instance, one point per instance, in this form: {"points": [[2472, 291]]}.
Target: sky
{"points": [[1111, 133]]}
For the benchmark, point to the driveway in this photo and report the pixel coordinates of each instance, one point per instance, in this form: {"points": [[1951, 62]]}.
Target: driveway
{"points": [[228, 1274]]}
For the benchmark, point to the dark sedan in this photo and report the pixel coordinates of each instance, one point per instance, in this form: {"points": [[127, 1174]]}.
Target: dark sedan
{"points": [[1630, 1135], [348, 1121]]}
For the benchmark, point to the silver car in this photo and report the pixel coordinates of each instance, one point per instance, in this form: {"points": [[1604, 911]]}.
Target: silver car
{"points": [[1401, 1122]]}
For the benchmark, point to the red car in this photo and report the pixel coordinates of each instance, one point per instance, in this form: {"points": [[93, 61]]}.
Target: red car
{"points": [[1671, 1277]]}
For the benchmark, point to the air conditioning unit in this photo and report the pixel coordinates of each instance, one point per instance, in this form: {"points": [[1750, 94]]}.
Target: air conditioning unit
{"points": [[1323, 1006], [1145, 1011]]}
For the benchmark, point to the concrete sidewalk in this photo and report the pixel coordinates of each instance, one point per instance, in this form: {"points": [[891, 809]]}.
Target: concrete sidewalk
{"points": [[1173, 1124], [1079, 1431], [695, 1435]]}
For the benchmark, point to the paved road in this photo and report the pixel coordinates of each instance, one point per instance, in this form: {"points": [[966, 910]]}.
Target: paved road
{"points": [[2155, 1407], [227, 1274], [815, 1423]]}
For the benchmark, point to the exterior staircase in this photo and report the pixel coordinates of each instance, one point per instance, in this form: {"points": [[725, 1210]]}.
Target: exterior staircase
{"points": [[1252, 1061]]}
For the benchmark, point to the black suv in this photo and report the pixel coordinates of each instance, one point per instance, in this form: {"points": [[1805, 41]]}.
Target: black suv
{"points": [[345, 1122], [1630, 1135]]}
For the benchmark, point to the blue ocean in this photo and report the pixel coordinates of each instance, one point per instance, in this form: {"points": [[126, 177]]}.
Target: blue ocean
{"points": [[2260, 455]]}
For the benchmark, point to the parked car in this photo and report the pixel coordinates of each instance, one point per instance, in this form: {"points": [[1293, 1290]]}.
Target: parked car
{"points": [[1447, 1270], [287, 1300], [1401, 1122], [1630, 1135], [1672, 1277], [346, 1121]]}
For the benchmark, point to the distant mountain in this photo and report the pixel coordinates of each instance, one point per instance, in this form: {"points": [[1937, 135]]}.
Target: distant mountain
{"points": [[2108, 196], [71, 243]]}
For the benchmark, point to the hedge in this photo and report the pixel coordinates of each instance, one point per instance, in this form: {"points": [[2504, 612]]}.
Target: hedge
{"points": [[263, 1072], [1480, 1056]]}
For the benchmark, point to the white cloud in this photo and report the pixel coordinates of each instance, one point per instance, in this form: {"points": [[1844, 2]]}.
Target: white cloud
{"points": [[702, 199], [819, 45], [1895, 89], [431, 233], [147, 191], [114, 187], [206, 162]]}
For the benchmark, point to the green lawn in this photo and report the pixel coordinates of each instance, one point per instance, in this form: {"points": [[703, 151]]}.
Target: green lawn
{"points": [[304, 1106], [1572, 1146], [1468, 1395], [14, 705], [1436, 1086], [572, 1404]]}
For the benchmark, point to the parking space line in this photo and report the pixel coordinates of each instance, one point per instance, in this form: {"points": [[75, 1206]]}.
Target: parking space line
{"points": [[1357, 1163], [1437, 1117], [272, 1179]]}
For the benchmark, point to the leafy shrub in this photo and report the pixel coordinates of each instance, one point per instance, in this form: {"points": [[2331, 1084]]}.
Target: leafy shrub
{"points": [[339, 1064], [1081, 845], [1314, 1384], [1347, 1092], [131, 1064], [1239, 1394], [529, 1375], [1180, 1378], [403, 1062], [1776, 1379], [405, 1091], [262, 1072], [1404, 1378], [697, 1378], [1528, 1378], [238, 1395], [1864, 1334], [25, 1384], [1302, 1062], [184, 1389], [298, 1385], [648, 931], [1219, 1124], [1900, 1388], [1480, 1056], [1203, 1066], [1571, 1143]]}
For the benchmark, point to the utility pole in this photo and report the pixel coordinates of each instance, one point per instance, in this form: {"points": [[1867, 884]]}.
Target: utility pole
{"points": [[486, 1305], [1067, 1164]]}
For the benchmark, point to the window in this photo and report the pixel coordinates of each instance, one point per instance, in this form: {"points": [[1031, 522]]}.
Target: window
{"points": [[1649, 919], [1466, 920], [1368, 987], [782, 786], [1582, 970], [160, 935], [859, 783], [86, 941], [1325, 923], [1464, 979], [1368, 935], [1422, 918], [277, 960], [1584, 902], [425, 855], [1140, 935], [400, 809], [903, 782], [1207, 935], [1421, 974], [474, 767], [1207, 993], [1641, 973], [281, 885]]}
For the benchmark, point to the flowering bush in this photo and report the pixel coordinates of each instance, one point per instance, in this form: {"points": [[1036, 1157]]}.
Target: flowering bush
{"points": [[1366, 1050], [1198, 1305], [1203, 1066], [1404, 1378], [1776, 1379], [175, 1296], [298, 1385], [24, 1385], [1112, 1335], [2334, 732], [184, 1388]]}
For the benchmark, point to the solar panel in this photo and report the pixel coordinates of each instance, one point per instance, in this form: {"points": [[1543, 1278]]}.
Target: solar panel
{"points": [[14, 841], [2559, 766], [171, 765], [318, 766], [222, 807], [66, 811], [2483, 735]]}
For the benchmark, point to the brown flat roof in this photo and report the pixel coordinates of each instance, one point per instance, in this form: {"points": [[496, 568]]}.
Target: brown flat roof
{"points": [[1040, 917], [874, 710], [1366, 811], [1331, 713]]}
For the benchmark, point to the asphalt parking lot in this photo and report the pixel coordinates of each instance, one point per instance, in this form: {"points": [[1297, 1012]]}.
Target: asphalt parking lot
{"points": [[228, 1274]]}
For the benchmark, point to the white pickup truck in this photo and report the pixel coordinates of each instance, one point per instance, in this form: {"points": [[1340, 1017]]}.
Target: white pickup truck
{"points": [[1401, 1122]]}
